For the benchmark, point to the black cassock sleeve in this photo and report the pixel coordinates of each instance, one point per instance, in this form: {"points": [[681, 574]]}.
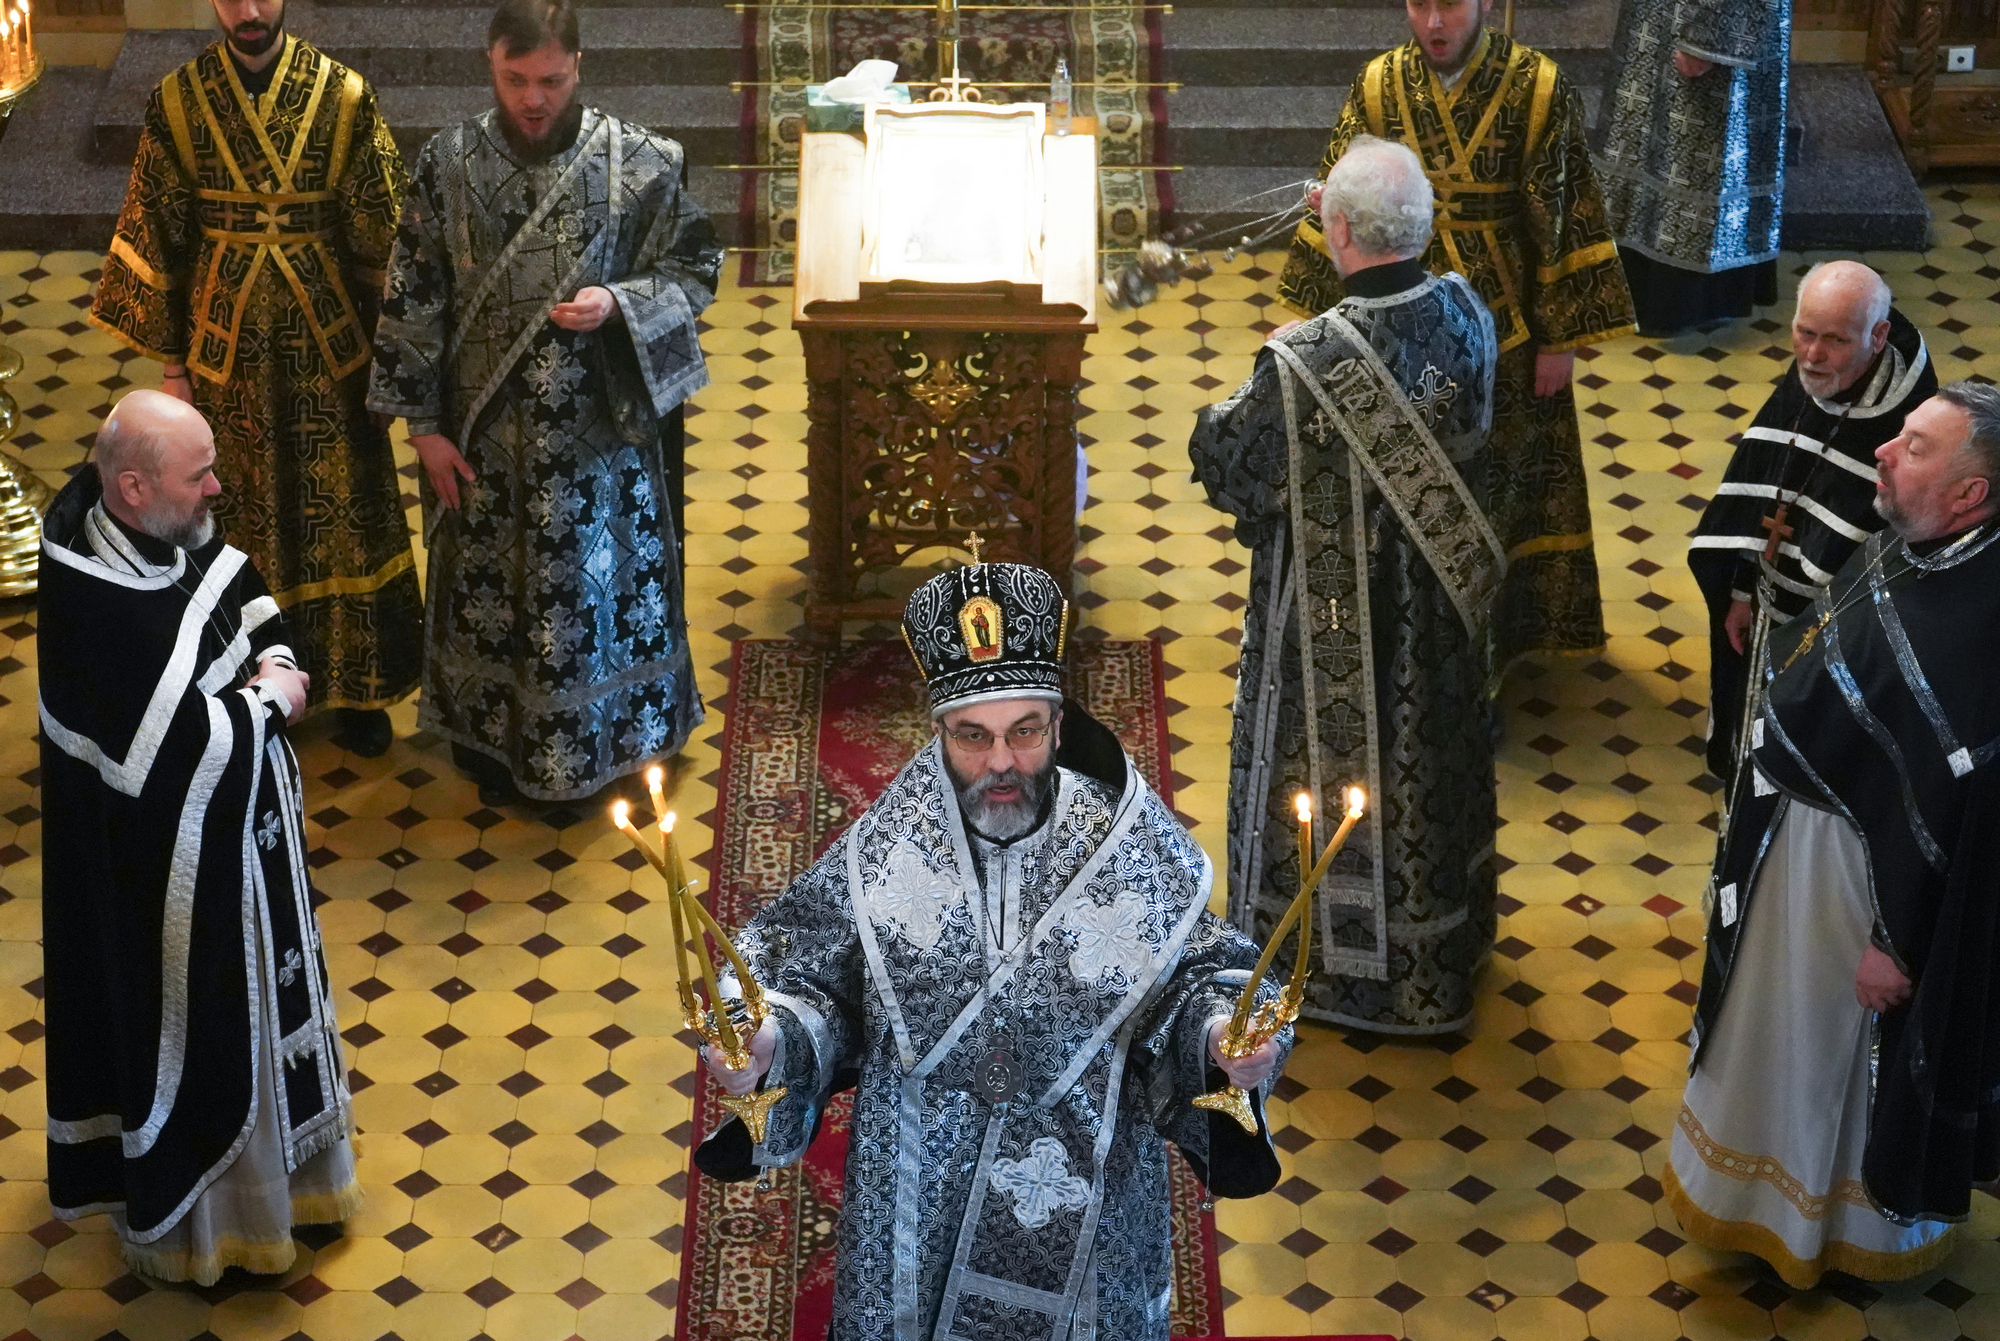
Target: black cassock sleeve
{"points": [[1935, 1127]]}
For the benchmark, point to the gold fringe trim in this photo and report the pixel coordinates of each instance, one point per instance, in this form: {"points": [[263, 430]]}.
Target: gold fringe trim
{"points": [[1747, 1236], [327, 1208], [258, 1257]]}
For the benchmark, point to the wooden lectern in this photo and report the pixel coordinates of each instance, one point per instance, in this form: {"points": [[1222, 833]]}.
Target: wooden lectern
{"points": [[937, 408]]}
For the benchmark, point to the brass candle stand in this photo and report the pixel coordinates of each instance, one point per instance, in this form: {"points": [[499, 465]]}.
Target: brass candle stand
{"points": [[714, 1019], [23, 498], [1252, 1026]]}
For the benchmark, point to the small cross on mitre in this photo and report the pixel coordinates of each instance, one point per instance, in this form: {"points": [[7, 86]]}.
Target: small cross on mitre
{"points": [[974, 544]]}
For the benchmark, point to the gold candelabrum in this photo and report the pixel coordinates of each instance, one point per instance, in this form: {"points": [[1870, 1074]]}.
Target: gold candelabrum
{"points": [[1252, 1026], [20, 65], [714, 1020], [23, 496]]}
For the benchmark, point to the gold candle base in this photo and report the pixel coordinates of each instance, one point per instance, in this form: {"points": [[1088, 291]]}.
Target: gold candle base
{"points": [[23, 499], [1234, 1102], [755, 1110]]}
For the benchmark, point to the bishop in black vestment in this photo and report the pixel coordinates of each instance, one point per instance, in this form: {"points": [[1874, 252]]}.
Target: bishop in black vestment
{"points": [[1846, 1087], [195, 1090], [1799, 493]]}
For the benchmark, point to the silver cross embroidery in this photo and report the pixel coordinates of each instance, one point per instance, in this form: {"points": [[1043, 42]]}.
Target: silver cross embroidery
{"points": [[1433, 388], [267, 832], [289, 973], [1320, 427]]}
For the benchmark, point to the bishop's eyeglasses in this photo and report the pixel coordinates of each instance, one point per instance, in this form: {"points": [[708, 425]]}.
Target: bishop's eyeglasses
{"points": [[978, 740]]}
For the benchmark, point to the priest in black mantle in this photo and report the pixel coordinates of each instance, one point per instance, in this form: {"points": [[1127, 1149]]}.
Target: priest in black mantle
{"points": [[195, 1091], [1845, 1094], [1798, 495]]}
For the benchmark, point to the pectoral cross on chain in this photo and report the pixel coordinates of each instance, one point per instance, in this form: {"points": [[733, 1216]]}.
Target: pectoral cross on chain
{"points": [[1775, 524]]}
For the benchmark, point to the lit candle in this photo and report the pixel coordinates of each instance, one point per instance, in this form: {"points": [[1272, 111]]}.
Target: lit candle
{"points": [[674, 910], [1303, 802]]}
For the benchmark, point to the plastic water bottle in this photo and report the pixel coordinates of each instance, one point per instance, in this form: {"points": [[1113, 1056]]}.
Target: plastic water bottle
{"points": [[1059, 98]]}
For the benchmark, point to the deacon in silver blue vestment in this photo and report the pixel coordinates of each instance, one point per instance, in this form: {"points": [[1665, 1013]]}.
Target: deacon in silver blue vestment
{"points": [[1693, 162], [1017, 961], [555, 631]]}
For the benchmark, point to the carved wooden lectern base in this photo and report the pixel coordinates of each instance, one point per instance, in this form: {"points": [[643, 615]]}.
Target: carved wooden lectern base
{"points": [[935, 409], [918, 437]]}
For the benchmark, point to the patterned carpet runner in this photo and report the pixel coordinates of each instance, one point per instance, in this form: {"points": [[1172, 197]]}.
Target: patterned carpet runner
{"points": [[813, 736], [1113, 53]]}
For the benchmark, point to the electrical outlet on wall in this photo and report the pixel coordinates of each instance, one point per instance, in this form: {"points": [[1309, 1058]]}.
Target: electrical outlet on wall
{"points": [[1957, 58]]}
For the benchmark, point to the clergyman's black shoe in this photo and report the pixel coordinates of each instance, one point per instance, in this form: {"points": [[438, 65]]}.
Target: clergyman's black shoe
{"points": [[363, 731], [496, 788]]}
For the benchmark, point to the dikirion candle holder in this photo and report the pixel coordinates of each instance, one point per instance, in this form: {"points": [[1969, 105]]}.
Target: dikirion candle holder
{"points": [[714, 1019], [1252, 1026]]}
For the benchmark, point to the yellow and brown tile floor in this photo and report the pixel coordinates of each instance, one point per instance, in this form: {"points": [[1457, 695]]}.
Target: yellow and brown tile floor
{"points": [[506, 996]]}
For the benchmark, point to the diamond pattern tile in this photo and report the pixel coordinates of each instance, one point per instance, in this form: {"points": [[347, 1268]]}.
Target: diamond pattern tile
{"points": [[507, 1008]]}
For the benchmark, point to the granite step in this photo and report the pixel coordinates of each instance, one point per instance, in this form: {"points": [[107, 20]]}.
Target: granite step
{"points": [[1847, 188], [1851, 190], [1266, 47], [57, 194], [440, 48], [60, 195]]}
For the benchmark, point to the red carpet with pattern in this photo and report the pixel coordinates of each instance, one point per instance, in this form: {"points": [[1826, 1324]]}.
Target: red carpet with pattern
{"points": [[813, 736]]}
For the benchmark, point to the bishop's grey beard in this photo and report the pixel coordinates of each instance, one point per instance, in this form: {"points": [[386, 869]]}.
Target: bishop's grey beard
{"points": [[1004, 820]]}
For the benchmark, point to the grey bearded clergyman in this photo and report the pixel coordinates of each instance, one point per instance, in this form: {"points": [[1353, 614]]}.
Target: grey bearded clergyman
{"points": [[1025, 1019]]}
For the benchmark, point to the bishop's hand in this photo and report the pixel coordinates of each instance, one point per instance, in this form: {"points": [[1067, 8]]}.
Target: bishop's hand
{"points": [[1691, 67], [1248, 1071], [737, 1083]]}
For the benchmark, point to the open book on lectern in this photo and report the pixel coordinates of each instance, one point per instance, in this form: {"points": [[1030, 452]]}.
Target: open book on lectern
{"points": [[953, 193]]}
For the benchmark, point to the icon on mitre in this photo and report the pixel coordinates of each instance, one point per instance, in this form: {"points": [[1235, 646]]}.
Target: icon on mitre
{"points": [[979, 621]]}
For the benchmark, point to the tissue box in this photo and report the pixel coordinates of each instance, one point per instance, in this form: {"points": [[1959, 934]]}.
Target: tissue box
{"points": [[824, 115]]}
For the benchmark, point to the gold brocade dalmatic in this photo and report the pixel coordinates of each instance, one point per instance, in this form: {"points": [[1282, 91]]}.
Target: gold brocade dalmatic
{"points": [[252, 247], [1519, 215]]}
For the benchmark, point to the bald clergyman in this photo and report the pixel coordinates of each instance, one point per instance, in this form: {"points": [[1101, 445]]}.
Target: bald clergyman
{"points": [[195, 1092], [1799, 494]]}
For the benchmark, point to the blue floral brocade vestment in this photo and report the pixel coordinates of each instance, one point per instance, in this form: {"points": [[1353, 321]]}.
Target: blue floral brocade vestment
{"points": [[555, 625]]}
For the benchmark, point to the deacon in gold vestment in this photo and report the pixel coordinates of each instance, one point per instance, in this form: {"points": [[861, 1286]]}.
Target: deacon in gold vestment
{"points": [[1519, 214], [252, 249]]}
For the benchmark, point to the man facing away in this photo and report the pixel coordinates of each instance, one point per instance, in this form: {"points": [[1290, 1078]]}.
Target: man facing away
{"points": [[539, 337], [1845, 1093], [1500, 132], [1799, 493], [249, 259], [1016, 964], [195, 1088], [1355, 463]]}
